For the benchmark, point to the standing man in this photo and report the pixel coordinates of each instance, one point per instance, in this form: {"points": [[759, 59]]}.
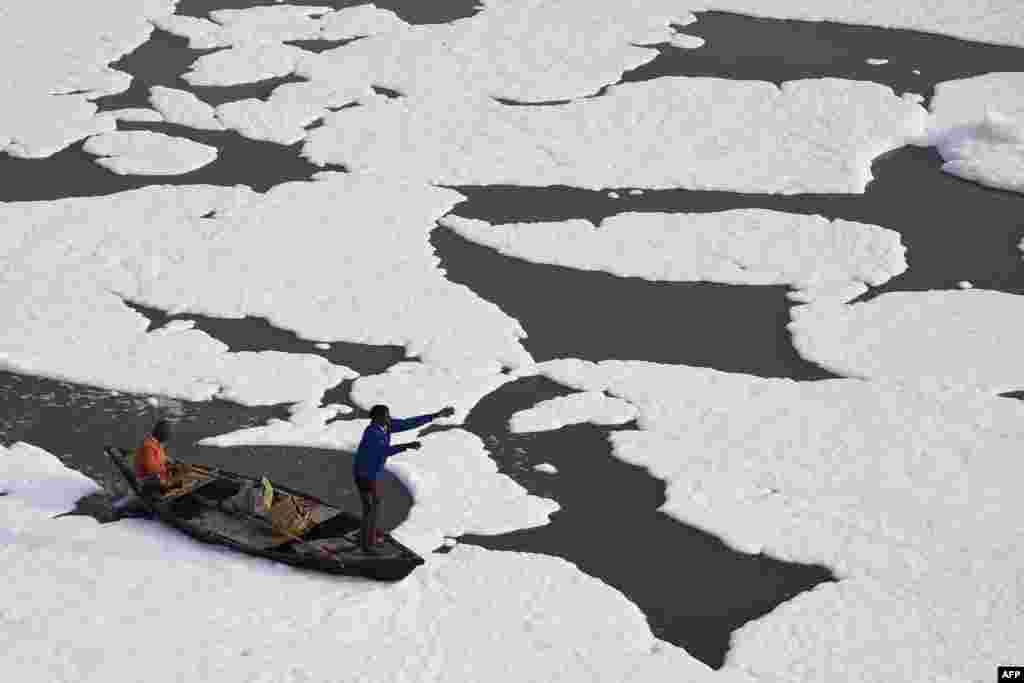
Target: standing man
{"points": [[374, 448]]}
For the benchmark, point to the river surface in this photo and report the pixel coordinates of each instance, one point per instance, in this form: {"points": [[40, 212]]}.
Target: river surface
{"points": [[694, 590]]}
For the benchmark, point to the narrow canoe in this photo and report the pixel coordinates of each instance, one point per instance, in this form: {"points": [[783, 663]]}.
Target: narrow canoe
{"points": [[202, 508]]}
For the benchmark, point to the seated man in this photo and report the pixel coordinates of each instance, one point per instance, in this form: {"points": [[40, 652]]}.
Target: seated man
{"points": [[151, 468]]}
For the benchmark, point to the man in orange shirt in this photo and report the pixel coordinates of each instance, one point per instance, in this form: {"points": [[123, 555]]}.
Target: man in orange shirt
{"points": [[151, 459]]}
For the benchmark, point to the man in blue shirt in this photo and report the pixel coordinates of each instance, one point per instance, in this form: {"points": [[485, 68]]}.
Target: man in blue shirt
{"points": [[374, 448]]}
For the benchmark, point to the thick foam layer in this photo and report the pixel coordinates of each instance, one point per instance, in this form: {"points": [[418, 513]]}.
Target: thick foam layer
{"points": [[221, 252], [817, 257], [142, 152], [809, 136], [184, 108], [934, 339], [589, 406], [977, 125], [903, 492], [91, 590]]}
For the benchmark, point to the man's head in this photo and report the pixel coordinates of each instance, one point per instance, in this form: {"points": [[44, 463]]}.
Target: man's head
{"points": [[379, 414], [162, 431]]}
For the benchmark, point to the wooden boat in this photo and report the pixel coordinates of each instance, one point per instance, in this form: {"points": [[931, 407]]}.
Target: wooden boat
{"points": [[300, 529]]}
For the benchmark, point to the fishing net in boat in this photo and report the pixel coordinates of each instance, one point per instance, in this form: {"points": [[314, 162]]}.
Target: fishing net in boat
{"points": [[291, 515]]}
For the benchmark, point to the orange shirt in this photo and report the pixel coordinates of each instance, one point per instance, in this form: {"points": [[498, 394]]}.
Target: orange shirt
{"points": [[150, 458]]}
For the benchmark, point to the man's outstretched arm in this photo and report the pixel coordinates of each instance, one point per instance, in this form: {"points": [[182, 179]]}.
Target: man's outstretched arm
{"points": [[405, 424]]}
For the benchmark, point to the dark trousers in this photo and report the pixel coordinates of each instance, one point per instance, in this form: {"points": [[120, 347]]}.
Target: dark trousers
{"points": [[150, 486], [369, 494]]}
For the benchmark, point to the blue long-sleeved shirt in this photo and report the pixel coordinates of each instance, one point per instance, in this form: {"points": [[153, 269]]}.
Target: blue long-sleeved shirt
{"points": [[375, 446]]}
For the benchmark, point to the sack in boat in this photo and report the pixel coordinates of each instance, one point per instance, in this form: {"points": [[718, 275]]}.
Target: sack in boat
{"points": [[248, 500], [290, 516]]}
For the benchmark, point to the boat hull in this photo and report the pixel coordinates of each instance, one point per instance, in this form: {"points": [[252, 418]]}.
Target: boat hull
{"points": [[329, 546]]}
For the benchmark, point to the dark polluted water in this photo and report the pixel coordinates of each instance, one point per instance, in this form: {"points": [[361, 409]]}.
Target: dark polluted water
{"points": [[596, 316], [72, 172], [751, 48], [257, 334], [693, 589], [954, 230], [165, 58]]}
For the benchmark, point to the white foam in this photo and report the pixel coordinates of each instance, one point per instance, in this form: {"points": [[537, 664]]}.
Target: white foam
{"points": [[419, 388], [272, 623], [810, 136], [876, 61], [578, 374], [361, 20], [322, 346], [258, 120], [535, 52], [143, 152], [112, 350], [282, 118], [37, 487], [909, 496], [310, 426], [184, 108], [817, 257], [992, 21], [968, 100], [247, 63], [136, 114], [936, 339], [457, 489], [272, 24], [202, 33], [42, 125], [964, 284], [269, 24], [530, 52], [248, 26], [546, 468], [686, 42], [978, 126], [585, 407], [70, 263], [991, 153], [105, 589], [46, 91]]}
